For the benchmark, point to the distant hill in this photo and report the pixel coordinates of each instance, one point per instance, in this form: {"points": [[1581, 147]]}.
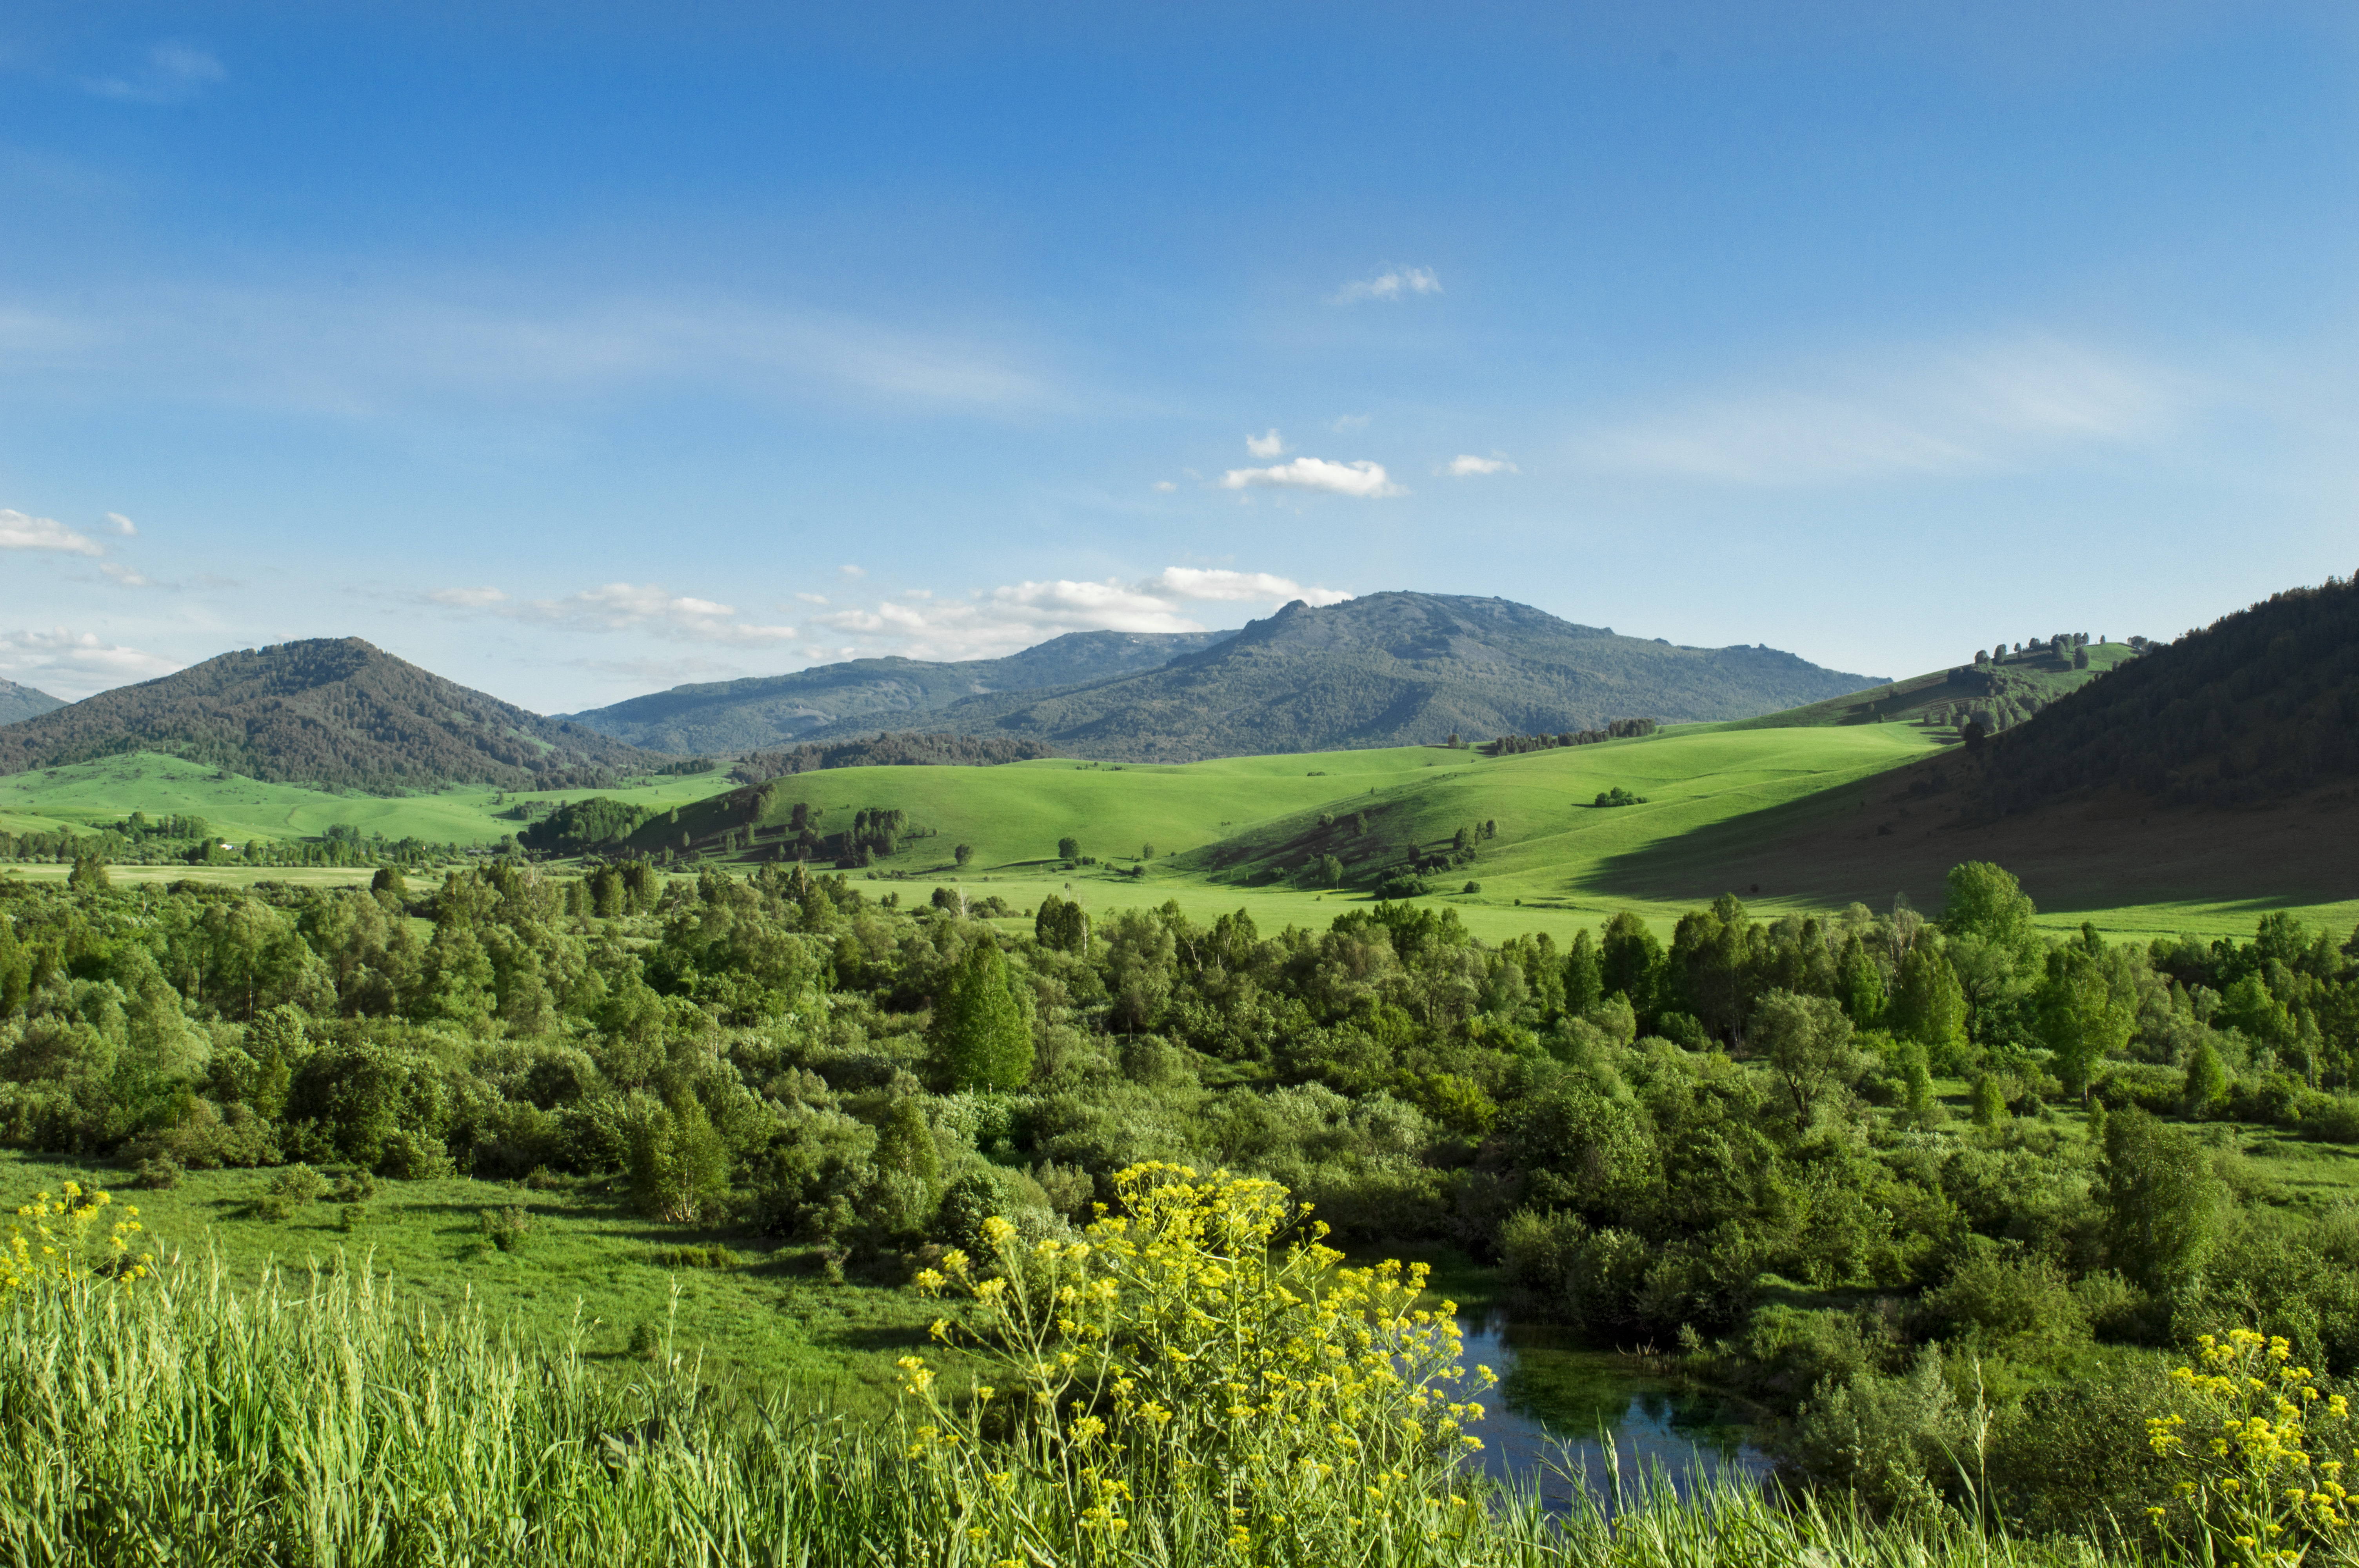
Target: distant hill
{"points": [[867, 695], [2222, 766], [337, 712], [23, 702], [1394, 669], [2000, 693], [884, 750]]}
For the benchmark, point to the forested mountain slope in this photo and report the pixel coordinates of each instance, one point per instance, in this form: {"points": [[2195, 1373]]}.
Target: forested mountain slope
{"points": [[23, 702], [331, 712], [867, 695], [1394, 669], [2218, 767]]}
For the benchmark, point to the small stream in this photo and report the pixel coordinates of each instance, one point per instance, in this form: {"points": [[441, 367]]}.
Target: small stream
{"points": [[1558, 1403]]}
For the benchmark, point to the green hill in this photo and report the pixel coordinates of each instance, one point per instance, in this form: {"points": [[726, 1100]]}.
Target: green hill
{"points": [[1256, 822], [98, 794], [23, 702], [2000, 692], [1394, 669], [336, 712], [723, 717]]}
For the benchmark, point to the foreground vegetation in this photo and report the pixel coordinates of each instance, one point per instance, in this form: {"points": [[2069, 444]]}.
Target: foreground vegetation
{"points": [[1918, 1189]]}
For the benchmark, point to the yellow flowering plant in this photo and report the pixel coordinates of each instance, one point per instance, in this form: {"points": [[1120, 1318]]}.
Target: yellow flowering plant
{"points": [[2260, 1452], [75, 1235], [1200, 1349]]}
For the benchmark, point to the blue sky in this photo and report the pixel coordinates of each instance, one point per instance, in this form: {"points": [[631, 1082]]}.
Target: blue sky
{"points": [[574, 352]]}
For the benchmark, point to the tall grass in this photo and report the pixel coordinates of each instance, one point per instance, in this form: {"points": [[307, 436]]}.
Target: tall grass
{"points": [[319, 1419]]}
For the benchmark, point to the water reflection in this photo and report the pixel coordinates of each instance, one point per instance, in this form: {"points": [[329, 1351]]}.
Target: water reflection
{"points": [[1557, 1403]]}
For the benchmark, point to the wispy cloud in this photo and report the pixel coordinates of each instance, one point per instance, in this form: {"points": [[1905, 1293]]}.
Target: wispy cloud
{"points": [[122, 525], [1980, 407], [1166, 486], [123, 575], [73, 665], [1270, 446], [996, 622], [468, 598], [621, 607], [1346, 424], [1466, 467], [20, 532], [1362, 479], [848, 570], [359, 356], [812, 598], [172, 73], [1393, 283]]}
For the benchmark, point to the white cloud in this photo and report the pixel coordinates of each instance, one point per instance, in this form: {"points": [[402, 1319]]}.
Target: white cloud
{"points": [[73, 665], [468, 598], [812, 598], [1270, 446], [1466, 467], [850, 571], [124, 525], [18, 532], [1977, 408], [1392, 282], [1216, 586], [1166, 486], [1001, 620], [1363, 480], [174, 73], [125, 576], [622, 607]]}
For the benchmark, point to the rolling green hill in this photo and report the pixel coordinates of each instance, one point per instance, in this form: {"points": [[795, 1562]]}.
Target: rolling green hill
{"points": [[333, 711], [1253, 822], [722, 717], [2000, 693], [23, 702], [89, 794], [1394, 669]]}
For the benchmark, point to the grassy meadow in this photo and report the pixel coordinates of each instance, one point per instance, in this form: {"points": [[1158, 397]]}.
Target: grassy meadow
{"points": [[589, 1262], [89, 794], [1226, 834]]}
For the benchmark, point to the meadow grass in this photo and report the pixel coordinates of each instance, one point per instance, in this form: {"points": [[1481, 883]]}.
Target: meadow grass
{"points": [[326, 1417], [86, 795], [589, 1265]]}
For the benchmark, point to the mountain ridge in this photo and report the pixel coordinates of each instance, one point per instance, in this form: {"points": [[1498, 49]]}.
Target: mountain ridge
{"points": [[1395, 668], [336, 712], [859, 697], [21, 702]]}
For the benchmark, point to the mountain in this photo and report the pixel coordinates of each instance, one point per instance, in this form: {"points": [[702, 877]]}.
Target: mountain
{"points": [[865, 694], [1393, 669], [336, 712], [2224, 766], [23, 702]]}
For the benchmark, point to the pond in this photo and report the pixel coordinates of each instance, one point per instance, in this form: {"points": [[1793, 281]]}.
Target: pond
{"points": [[1559, 1402]]}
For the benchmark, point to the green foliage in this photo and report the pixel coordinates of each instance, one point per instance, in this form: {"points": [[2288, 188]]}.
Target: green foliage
{"points": [[982, 1029]]}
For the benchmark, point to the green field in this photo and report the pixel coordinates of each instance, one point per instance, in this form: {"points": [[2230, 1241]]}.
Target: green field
{"points": [[96, 795], [1225, 835], [775, 1320]]}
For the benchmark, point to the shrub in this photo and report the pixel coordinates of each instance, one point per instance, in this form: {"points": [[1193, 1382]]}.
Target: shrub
{"points": [[715, 1257], [356, 1186], [298, 1185], [157, 1171], [412, 1156], [643, 1343], [508, 1228], [1199, 1349]]}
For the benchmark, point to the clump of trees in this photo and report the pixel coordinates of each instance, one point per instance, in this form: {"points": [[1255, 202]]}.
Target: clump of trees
{"points": [[1616, 730]]}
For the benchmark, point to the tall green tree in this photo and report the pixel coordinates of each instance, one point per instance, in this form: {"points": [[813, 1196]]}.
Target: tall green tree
{"points": [[2160, 1199], [1805, 1040], [983, 1031]]}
